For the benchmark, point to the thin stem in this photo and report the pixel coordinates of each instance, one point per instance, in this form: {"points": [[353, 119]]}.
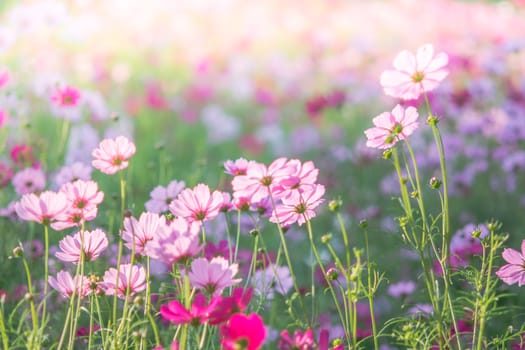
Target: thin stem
{"points": [[5, 338], [370, 293], [46, 269], [34, 316], [345, 239], [90, 336]]}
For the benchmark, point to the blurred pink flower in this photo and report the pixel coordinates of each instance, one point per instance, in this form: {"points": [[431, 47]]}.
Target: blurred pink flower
{"points": [[197, 204], [66, 96], [137, 233], [42, 209], [73, 172], [161, 197], [128, 276], [213, 276], [6, 174], [89, 243], [391, 127], [415, 74], [22, 154], [260, 181], [402, 288], [4, 77], [29, 180], [199, 312], [4, 117], [298, 207], [300, 340], [176, 243], [514, 271], [67, 285], [243, 332], [34, 249], [112, 155]]}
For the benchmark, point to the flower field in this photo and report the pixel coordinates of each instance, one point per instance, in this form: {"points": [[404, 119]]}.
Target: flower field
{"points": [[247, 175]]}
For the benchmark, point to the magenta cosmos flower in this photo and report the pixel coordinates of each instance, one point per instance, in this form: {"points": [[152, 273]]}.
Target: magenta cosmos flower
{"points": [[137, 233], [89, 243], [67, 285], [260, 181], [112, 155], [213, 276], [42, 209], [245, 332], [514, 271], [161, 197], [199, 312], [66, 96], [391, 127], [298, 207], [197, 204], [129, 276], [415, 74]]}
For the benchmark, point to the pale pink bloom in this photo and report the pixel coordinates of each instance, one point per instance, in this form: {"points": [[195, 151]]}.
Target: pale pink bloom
{"points": [[4, 77], [42, 209], [73, 172], [112, 155], [175, 243], [273, 279], [213, 276], [161, 197], [66, 96], [29, 180], [298, 207], [82, 195], [129, 276], [415, 74], [89, 243], [197, 204], [514, 271], [305, 175], [137, 234], [83, 198], [260, 180], [238, 167], [226, 202], [391, 127], [402, 288], [67, 285]]}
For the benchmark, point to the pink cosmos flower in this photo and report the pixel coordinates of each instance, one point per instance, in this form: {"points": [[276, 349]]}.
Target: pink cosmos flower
{"points": [[42, 209], [300, 340], [391, 127], [415, 74], [6, 174], [213, 276], [161, 197], [305, 175], [73, 172], [176, 243], [514, 271], [228, 306], [89, 243], [67, 285], [137, 234], [112, 155], [260, 181], [22, 154], [28, 181], [243, 332], [129, 276], [238, 167], [298, 207], [66, 96], [197, 204], [198, 314]]}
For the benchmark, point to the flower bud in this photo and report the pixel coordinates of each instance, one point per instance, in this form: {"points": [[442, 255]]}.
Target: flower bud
{"points": [[363, 223], [18, 252], [128, 213], [335, 205], [435, 183], [326, 238], [432, 120], [387, 154], [254, 232], [332, 274]]}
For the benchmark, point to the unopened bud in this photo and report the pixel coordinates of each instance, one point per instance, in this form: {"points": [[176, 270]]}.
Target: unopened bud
{"points": [[414, 194], [432, 120], [476, 233], [28, 297], [363, 223], [435, 183], [18, 252], [326, 238], [254, 232], [332, 274], [128, 213], [335, 204], [387, 154]]}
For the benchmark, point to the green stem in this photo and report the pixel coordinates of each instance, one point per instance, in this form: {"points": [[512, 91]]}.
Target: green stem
{"points": [[345, 239], [5, 338], [34, 316], [46, 270], [90, 336], [486, 293], [370, 293]]}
